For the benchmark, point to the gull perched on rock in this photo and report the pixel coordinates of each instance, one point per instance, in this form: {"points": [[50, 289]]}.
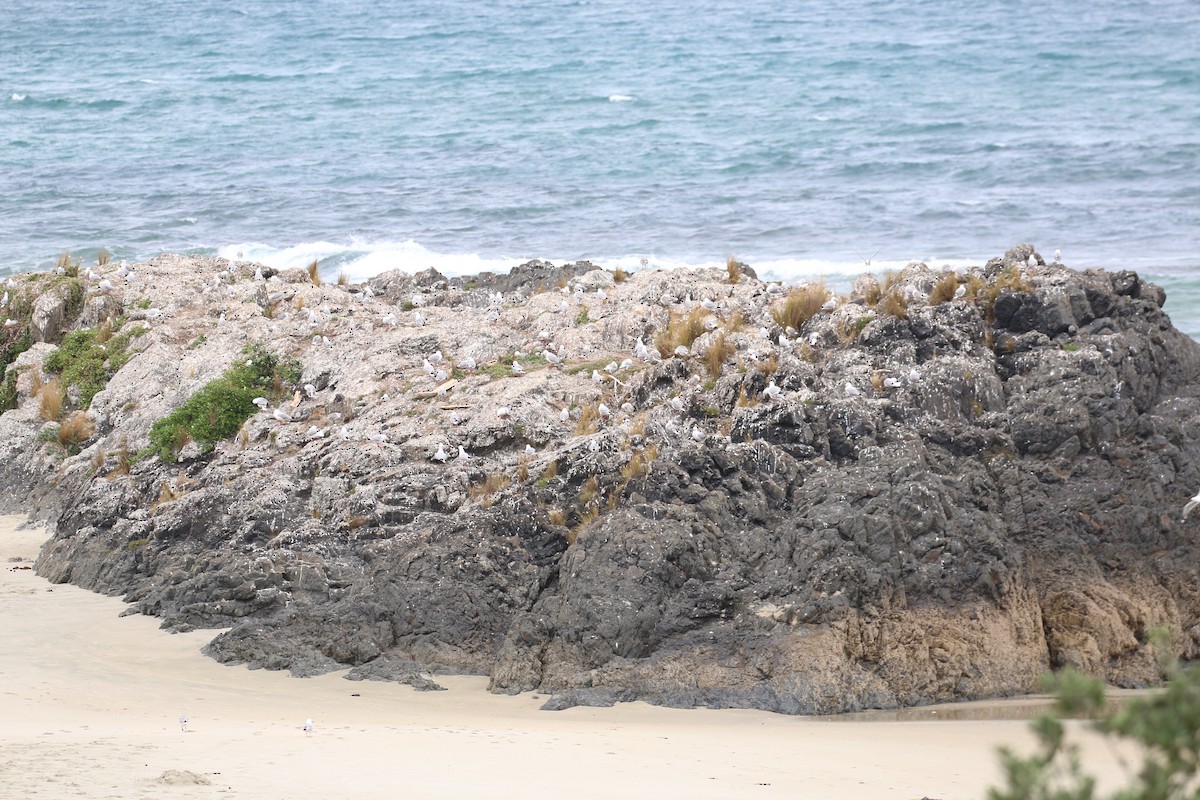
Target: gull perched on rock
{"points": [[552, 358], [261, 402], [517, 369], [529, 451], [772, 391], [468, 363], [463, 456], [697, 434], [1058, 256], [441, 454], [281, 415], [310, 390], [564, 415], [1187, 509], [682, 351], [603, 410], [677, 403], [640, 350], [852, 390]]}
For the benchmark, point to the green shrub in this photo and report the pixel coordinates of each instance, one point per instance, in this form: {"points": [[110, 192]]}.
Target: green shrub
{"points": [[1165, 726], [218, 410], [82, 362]]}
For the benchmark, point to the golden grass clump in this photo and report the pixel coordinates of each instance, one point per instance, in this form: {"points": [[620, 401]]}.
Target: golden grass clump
{"points": [[585, 519], [589, 491], [1010, 280], [682, 329], [733, 269], [486, 490], [769, 365], [523, 468], [873, 294], [716, 355], [944, 289], [314, 273], [103, 257], [76, 429], [343, 278], [122, 455], [50, 400], [736, 322], [619, 275], [299, 302], [893, 303], [745, 400], [639, 463], [556, 516], [800, 305], [975, 285], [589, 420], [357, 521]]}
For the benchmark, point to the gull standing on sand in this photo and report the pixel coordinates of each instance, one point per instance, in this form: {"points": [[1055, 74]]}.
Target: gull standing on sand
{"points": [[308, 727], [183, 722]]}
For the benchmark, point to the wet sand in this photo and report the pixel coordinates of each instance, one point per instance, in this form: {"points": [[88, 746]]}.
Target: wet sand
{"points": [[90, 705]]}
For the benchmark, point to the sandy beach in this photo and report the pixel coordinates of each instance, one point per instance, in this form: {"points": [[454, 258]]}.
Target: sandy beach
{"points": [[90, 704]]}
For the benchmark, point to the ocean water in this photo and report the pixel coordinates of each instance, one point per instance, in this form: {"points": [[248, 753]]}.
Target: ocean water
{"points": [[805, 138]]}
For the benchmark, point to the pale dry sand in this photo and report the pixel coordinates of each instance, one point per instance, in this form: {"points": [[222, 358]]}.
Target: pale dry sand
{"points": [[90, 702]]}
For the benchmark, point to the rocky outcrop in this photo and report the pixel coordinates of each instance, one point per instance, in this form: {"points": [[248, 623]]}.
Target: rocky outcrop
{"points": [[931, 489]]}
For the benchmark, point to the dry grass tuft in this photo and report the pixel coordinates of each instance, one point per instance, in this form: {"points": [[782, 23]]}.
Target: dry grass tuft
{"points": [[485, 492], [585, 519], [549, 473], [682, 329], [76, 429], [975, 286], [716, 355], [314, 273], [556, 516], [589, 420], [745, 400], [123, 462], [299, 302], [800, 305], [165, 494], [589, 491], [103, 257], [637, 426], [769, 365], [894, 304], [873, 294], [50, 400], [1009, 279], [736, 322], [639, 463], [877, 380], [944, 289], [619, 275], [357, 521], [733, 269], [523, 468], [343, 278]]}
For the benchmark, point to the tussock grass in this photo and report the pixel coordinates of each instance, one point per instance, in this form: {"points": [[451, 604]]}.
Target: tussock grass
{"points": [[619, 275], [745, 400], [548, 474], [716, 355], [103, 257], [800, 305], [733, 269], [50, 400], [944, 289], [682, 329], [343, 279], [589, 420], [894, 304], [736, 322], [589, 491], [556, 516], [523, 468], [769, 365], [314, 273], [76, 429], [639, 463], [585, 519]]}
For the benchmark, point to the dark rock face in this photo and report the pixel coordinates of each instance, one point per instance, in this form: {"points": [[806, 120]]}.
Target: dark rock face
{"points": [[1008, 504]]}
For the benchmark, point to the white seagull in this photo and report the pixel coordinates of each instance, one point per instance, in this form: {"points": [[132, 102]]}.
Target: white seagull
{"points": [[1187, 509], [308, 727], [463, 456], [441, 454]]}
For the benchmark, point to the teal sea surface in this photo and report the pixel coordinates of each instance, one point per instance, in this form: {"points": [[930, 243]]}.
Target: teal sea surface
{"points": [[805, 138]]}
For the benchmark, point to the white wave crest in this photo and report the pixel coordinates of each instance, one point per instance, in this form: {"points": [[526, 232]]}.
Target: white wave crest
{"points": [[620, 98], [16, 97], [360, 260]]}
